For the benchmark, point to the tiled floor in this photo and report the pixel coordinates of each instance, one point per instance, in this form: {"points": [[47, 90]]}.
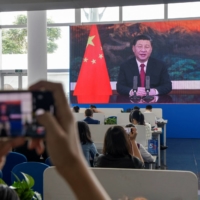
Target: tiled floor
{"points": [[184, 154]]}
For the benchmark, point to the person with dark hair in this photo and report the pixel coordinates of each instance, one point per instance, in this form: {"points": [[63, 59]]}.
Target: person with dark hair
{"points": [[94, 109], [136, 108], [148, 109], [120, 150], [76, 109], [88, 147], [147, 157], [89, 115], [7, 193], [137, 118], [143, 65]]}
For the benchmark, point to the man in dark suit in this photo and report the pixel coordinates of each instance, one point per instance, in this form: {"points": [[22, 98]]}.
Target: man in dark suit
{"points": [[88, 119], [143, 65]]}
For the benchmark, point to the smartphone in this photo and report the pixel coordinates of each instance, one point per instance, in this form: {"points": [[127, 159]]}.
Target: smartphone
{"points": [[19, 110], [128, 130]]}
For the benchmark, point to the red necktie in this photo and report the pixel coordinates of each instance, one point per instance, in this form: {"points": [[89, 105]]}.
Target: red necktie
{"points": [[142, 75]]}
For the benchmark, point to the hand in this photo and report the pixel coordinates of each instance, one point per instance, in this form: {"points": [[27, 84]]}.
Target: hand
{"points": [[63, 146], [153, 92], [61, 132], [141, 91], [133, 134]]}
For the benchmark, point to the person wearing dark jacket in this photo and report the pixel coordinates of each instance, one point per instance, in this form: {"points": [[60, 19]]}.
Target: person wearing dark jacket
{"points": [[143, 65], [120, 150], [88, 119]]}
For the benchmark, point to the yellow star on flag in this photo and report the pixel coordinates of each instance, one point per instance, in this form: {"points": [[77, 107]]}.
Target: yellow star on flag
{"points": [[85, 59], [100, 56], [93, 61], [90, 42]]}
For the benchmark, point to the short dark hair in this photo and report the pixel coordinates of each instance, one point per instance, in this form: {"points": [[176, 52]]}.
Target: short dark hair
{"points": [[141, 37], [138, 116], [129, 125], [88, 112], [93, 106], [7, 193], [84, 132], [76, 109], [116, 142], [149, 107], [136, 108]]}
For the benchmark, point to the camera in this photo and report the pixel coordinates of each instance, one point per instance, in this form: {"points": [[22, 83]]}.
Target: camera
{"points": [[19, 110]]}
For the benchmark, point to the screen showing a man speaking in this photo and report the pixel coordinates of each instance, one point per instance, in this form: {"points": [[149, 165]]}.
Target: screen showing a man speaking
{"points": [[149, 62]]}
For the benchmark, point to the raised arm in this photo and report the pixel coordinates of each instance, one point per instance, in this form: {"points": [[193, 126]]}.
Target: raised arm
{"points": [[132, 137], [64, 148]]}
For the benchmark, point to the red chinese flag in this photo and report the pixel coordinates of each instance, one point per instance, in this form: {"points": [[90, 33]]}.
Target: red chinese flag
{"points": [[93, 84]]}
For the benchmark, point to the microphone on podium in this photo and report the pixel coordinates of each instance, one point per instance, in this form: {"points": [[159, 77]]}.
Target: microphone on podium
{"points": [[135, 98], [148, 98]]}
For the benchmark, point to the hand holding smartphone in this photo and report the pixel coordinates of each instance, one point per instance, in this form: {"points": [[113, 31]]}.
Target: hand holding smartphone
{"points": [[19, 110], [128, 130]]}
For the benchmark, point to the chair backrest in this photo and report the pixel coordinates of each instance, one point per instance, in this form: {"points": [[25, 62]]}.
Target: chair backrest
{"points": [[34, 169], [152, 184], [48, 161], [12, 159], [98, 134], [106, 111], [123, 118], [150, 118], [141, 136], [97, 116], [1, 174], [156, 111]]}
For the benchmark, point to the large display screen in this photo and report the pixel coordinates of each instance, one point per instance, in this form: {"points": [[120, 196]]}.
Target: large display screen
{"points": [[103, 62]]}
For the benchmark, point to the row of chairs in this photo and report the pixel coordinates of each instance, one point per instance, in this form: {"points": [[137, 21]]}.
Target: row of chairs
{"points": [[114, 111], [153, 184], [122, 118], [17, 163]]}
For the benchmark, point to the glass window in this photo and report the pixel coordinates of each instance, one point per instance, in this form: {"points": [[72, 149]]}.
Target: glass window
{"points": [[13, 18], [61, 16], [58, 48], [60, 77], [24, 82], [183, 10], [143, 12], [11, 82], [100, 14], [14, 48]]}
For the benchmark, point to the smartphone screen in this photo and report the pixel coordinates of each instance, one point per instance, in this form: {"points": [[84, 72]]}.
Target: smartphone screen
{"points": [[18, 111], [128, 130]]}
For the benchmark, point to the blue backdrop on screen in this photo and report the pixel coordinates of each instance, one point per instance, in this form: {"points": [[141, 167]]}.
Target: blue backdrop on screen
{"points": [[176, 43]]}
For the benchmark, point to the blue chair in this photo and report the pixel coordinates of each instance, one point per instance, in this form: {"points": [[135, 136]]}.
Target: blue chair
{"points": [[1, 174], [34, 169], [48, 161], [12, 159]]}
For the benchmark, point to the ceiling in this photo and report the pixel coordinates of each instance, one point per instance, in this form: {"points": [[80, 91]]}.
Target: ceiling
{"points": [[19, 5]]}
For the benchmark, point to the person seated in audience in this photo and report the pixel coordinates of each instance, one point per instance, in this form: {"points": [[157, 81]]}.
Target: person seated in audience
{"points": [[147, 157], [148, 109], [6, 193], [76, 109], [137, 118], [88, 147], [89, 115], [136, 108], [63, 146], [94, 109], [119, 150]]}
